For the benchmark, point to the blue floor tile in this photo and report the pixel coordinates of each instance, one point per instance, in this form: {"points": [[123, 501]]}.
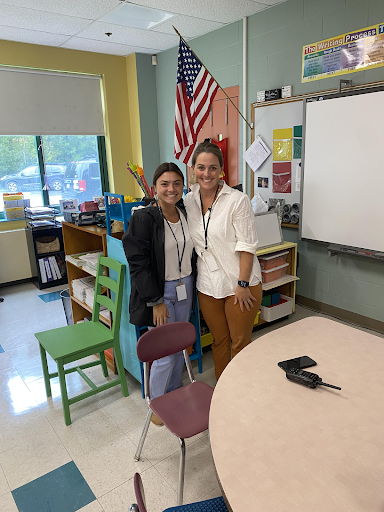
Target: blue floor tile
{"points": [[1, 349], [50, 297], [61, 490]]}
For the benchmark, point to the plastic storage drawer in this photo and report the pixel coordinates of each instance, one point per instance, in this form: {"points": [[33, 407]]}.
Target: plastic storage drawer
{"points": [[274, 260], [274, 273], [271, 313]]}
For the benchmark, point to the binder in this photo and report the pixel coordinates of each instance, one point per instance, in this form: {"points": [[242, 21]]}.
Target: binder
{"points": [[43, 275], [48, 270], [54, 265], [53, 270]]}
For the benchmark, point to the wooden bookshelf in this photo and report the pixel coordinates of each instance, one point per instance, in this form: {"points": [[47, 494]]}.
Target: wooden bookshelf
{"points": [[79, 239]]}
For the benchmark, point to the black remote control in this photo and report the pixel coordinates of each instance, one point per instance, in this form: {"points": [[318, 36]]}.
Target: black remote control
{"points": [[308, 379]]}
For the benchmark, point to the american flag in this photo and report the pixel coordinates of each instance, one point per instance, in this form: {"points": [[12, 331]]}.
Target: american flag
{"points": [[195, 91]]}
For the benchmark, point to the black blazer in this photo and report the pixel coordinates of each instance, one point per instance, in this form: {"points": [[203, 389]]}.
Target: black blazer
{"points": [[143, 244]]}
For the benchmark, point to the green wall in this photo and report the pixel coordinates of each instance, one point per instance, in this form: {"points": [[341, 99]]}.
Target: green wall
{"points": [[275, 40]]}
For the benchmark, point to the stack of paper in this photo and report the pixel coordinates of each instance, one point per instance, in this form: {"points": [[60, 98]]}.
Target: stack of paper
{"points": [[89, 297], [80, 286], [89, 300], [90, 262], [105, 313]]}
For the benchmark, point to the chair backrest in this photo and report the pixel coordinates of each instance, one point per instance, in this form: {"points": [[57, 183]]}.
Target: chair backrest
{"points": [[165, 340], [114, 283], [139, 492]]}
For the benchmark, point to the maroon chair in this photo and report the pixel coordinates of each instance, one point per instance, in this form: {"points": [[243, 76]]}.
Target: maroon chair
{"points": [[183, 411]]}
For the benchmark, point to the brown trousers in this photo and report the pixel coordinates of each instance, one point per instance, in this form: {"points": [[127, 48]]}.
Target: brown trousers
{"points": [[227, 322]]}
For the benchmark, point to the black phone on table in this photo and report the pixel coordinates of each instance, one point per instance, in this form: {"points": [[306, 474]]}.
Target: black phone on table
{"points": [[298, 363]]}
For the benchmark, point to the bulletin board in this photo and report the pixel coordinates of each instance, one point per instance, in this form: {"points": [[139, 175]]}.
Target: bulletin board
{"points": [[279, 124]]}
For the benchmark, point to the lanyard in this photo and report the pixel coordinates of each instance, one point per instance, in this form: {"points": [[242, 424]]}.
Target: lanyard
{"points": [[174, 236], [209, 216]]}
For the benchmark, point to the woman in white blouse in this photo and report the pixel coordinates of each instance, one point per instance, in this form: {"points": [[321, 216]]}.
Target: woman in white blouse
{"points": [[222, 226]]}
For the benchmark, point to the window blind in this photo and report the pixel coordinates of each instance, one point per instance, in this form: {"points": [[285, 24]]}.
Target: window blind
{"points": [[34, 102]]}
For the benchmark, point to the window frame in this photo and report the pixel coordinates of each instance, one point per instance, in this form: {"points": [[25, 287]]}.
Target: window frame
{"points": [[41, 166]]}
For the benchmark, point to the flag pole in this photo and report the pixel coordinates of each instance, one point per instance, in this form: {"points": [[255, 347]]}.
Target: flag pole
{"points": [[181, 37]]}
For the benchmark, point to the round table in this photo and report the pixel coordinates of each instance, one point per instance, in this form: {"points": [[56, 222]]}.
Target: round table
{"points": [[280, 446]]}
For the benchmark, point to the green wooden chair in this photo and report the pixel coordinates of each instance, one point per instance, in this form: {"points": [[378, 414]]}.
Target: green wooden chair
{"points": [[73, 342]]}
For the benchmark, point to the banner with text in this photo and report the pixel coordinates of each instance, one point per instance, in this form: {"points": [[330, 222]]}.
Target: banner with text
{"points": [[355, 51]]}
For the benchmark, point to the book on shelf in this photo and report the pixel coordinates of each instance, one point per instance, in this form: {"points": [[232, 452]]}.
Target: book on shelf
{"points": [[52, 268], [43, 275], [48, 270]]}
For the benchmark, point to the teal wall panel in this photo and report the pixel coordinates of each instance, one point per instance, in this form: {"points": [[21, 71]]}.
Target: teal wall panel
{"points": [[147, 91], [275, 40]]}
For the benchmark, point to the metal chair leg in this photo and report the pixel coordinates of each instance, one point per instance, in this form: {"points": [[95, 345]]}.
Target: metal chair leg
{"points": [[143, 435], [180, 488]]}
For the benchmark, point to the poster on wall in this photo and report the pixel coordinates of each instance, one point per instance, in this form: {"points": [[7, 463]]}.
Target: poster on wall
{"points": [[355, 51]]}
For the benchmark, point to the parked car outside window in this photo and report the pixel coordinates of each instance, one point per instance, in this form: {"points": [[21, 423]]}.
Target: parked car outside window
{"points": [[29, 179], [82, 179]]}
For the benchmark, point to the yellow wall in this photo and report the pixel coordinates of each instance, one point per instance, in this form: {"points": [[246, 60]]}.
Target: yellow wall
{"points": [[119, 84]]}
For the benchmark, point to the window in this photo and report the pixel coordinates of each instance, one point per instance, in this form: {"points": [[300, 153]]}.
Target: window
{"points": [[52, 167]]}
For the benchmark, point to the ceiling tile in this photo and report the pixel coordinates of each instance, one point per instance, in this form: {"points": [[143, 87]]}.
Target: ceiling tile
{"points": [[223, 11], [90, 45], [20, 17], [129, 36], [90, 9], [23, 35], [188, 26]]}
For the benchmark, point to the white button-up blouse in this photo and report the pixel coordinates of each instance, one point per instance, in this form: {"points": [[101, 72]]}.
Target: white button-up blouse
{"points": [[231, 230]]}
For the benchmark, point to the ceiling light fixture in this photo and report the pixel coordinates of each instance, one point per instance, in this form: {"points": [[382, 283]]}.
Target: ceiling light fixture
{"points": [[136, 16]]}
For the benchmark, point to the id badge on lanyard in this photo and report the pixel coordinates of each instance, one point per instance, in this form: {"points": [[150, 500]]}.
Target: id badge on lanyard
{"points": [[210, 260], [181, 291]]}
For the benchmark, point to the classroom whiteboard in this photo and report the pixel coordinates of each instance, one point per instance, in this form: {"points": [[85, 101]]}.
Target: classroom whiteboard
{"points": [[285, 114], [343, 169]]}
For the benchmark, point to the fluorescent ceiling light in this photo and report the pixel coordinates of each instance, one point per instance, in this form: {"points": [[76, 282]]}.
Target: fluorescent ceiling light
{"points": [[130, 15]]}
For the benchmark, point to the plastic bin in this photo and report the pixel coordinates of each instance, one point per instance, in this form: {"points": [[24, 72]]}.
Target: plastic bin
{"points": [[271, 313], [66, 300], [273, 261], [274, 273]]}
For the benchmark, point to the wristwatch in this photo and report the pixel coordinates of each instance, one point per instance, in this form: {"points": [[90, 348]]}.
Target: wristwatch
{"points": [[243, 284]]}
